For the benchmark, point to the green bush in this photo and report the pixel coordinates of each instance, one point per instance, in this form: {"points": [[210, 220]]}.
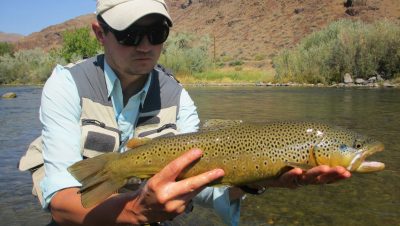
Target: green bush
{"points": [[236, 63], [27, 67], [6, 48], [78, 43], [343, 47], [185, 54]]}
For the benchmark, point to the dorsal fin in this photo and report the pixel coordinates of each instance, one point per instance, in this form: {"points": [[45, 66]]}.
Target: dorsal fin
{"points": [[137, 142], [216, 124]]}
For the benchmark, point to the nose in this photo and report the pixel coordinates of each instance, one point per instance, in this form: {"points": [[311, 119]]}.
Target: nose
{"points": [[144, 45]]}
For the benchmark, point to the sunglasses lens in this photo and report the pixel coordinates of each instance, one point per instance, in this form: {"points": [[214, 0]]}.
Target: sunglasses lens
{"points": [[156, 35], [132, 38]]}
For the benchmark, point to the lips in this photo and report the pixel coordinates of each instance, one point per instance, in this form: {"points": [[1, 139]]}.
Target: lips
{"points": [[371, 166]]}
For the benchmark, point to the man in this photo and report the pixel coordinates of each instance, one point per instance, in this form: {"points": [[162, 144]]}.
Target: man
{"points": [[96, 105]]}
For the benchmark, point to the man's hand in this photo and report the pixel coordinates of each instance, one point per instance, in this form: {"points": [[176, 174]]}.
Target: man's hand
{"points": [[162, 197], [297, 177]]}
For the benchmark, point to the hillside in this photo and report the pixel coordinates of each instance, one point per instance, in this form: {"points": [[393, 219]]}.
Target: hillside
{"points": [[249, 30], [9, 37]]}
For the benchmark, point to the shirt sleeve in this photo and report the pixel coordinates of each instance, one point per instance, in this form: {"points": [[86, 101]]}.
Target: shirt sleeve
{"points": [[211, 197], [59, 114], [188, 119]]}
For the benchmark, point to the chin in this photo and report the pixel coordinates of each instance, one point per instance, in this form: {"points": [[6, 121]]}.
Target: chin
{"points": [[142, 70], [145, 67]]}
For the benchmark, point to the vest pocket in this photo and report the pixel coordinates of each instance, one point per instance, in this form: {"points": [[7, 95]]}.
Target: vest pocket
{"points": [[97, 138], [98, 141]]}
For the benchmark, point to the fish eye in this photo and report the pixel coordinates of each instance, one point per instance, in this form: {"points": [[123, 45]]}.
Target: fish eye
{"points": [[357, 144]]}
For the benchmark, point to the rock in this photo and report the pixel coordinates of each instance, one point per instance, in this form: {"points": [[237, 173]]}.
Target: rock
{"points": [[298, 10], [9, 95], [379, 78], [352, 11], [388, 84], [347, 78], [372, 85], [372, 79], [348, 3], [360, 81]]}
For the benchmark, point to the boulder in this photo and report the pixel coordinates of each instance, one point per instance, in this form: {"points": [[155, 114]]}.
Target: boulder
{"points": [[372, 79], [347, 78], [379, 78], [9, 95], [387, 84], [360, 81]]}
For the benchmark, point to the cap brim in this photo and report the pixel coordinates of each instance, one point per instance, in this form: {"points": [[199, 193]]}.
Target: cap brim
{"points": [[123, 15]]}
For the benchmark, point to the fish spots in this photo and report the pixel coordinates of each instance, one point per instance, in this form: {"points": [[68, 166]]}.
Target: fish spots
{"points": [[249, 149]]}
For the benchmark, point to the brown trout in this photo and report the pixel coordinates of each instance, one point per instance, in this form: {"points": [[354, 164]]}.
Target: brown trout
{"points": [[246, 152]]}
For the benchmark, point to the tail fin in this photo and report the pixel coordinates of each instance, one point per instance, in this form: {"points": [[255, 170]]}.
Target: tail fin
{"points": [[98, 183]]}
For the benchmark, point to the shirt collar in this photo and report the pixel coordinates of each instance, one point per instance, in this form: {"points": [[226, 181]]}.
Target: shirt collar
{"points": [[112, 81]]}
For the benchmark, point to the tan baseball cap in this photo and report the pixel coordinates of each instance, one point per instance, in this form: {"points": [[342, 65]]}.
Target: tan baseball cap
{"points": [[120, 14]]}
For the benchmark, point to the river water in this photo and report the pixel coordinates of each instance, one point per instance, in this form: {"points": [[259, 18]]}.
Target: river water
{"points": [[365, 199]]}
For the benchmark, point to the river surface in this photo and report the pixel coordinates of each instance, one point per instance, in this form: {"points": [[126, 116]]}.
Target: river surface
{"points": [[365, 199]]}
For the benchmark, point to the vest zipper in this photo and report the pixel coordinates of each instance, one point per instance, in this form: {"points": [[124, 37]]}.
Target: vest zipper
{"points": [[86, 122]]}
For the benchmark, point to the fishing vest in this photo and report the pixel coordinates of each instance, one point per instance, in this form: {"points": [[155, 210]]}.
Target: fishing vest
{"points": [[99, 128]]}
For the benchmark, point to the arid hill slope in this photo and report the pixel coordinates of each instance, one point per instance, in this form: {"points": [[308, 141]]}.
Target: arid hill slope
{"points": [[9, 37], [248, 30]]}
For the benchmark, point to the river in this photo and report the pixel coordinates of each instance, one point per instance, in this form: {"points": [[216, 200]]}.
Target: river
{"points": [[365, 199]]}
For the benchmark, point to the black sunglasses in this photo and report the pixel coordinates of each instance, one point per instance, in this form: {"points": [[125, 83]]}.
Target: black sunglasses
{"points": [[156, 33]]}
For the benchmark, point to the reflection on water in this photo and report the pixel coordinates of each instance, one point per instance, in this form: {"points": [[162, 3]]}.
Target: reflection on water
{"points": [[365, 199]]}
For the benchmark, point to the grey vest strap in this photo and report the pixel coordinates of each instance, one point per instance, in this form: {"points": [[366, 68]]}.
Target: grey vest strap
{"points": [[90, 81], [160, 109]]}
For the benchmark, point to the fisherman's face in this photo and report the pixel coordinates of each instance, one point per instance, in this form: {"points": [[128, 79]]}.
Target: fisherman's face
{"points": [[130, 59]]}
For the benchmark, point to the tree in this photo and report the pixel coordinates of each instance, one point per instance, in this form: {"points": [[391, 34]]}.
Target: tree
{"points": [[78, 43], [6, 48]]}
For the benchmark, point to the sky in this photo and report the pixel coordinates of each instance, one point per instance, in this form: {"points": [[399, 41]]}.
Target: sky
{"points": [[27, 16]]}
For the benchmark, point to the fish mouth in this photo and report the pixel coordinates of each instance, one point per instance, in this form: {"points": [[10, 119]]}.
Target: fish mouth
{"points": [[360, 165]]}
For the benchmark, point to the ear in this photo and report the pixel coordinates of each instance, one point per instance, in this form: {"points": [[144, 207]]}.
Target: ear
{"points": [[98, 31]]}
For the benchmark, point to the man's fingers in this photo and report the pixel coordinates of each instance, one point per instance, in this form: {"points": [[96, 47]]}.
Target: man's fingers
{"points": [[325, 174], [290, 179], [335, 174], [195, 184], [174, 168]]}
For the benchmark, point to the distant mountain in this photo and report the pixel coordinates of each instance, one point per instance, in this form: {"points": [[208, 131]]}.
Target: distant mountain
{"points": [[9, 37], [248, 30]]}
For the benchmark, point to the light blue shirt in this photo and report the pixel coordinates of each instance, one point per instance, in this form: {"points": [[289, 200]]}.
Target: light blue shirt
{"points": [[60, 112]]}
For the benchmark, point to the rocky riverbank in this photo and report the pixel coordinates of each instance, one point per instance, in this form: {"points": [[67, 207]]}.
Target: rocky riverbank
{"points": [[372, 82]]}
